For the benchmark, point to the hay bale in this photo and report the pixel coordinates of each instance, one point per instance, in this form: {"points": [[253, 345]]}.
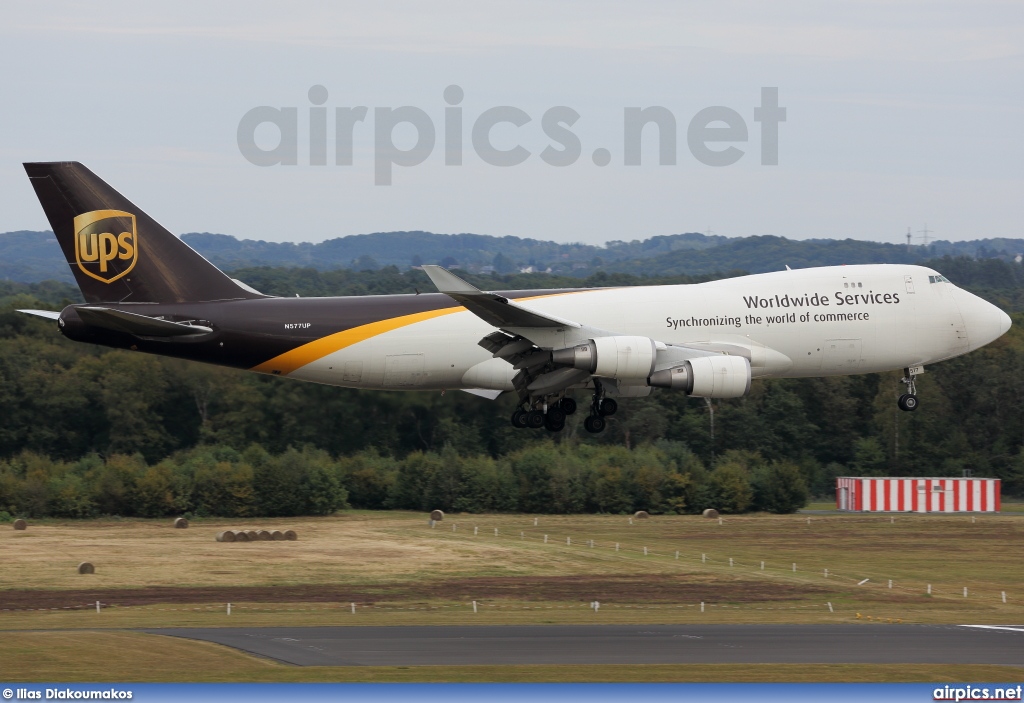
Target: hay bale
{"points": [[641, 514], [437, 515], [251, 534], [226, 536], [290, 535], [241, 536], [20, 524], [711, 513], [181, 524], [86, 568], [277, 535], [264, 535]]}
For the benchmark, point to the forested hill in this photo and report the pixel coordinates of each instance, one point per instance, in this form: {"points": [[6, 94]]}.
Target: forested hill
{"points": [[30, 257], [88, 430]]}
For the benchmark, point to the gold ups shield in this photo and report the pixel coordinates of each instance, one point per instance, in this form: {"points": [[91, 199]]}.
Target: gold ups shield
{"points": [[106, 244]]}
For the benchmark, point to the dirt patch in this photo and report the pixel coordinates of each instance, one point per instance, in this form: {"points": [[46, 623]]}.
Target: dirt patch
{"points": [[622, 589]]}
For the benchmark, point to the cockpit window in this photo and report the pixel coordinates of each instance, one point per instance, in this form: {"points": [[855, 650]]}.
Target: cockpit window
{"points": [[938, 279]]}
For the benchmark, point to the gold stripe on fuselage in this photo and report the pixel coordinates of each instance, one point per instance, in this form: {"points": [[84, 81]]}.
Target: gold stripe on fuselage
{"points": [[286, 363]]}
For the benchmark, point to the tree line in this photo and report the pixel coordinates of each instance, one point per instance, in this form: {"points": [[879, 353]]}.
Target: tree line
{"points": [[69, 409]]}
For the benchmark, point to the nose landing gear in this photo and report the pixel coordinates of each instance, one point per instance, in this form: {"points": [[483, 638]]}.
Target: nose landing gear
{"points": [[908, 401]]}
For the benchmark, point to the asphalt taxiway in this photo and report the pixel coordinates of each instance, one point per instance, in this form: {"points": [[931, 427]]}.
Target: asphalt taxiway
{"points": [[622, 644]]}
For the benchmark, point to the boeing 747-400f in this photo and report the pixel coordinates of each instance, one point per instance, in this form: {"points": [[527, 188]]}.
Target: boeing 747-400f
{"points": [[147, 291]]}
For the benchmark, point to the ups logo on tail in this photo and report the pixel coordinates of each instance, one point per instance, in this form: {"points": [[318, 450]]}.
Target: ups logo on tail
{"points": [[106, 244]]}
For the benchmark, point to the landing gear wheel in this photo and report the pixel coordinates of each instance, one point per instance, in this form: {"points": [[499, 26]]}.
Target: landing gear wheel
{"points": [[555, 416], [594, 424], [568, 405], [907, 402], [519, 419], [535, 419], [607, 407], [553, 426]]}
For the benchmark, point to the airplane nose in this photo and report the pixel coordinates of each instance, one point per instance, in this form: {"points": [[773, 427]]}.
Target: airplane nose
{"points": [[983, 320]]}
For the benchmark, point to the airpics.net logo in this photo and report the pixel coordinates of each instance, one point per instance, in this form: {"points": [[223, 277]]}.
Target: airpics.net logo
{"points": [[712, 134]]}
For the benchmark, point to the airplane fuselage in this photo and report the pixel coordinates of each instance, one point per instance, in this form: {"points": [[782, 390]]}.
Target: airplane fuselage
{"points": [[810, 322]]}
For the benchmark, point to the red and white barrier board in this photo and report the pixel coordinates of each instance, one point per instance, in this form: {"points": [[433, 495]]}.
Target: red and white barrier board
{"points": [[918, 495]]}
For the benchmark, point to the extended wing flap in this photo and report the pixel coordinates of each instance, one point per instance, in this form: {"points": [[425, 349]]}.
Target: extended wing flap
{"points": [[492, 308], [138, 325]]}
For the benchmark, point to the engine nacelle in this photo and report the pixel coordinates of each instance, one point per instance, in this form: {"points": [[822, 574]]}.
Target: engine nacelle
{"points": [[624, 358], [707, 377]]}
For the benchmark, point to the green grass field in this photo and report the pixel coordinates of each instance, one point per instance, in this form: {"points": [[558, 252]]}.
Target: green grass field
{"points": [[398, 570]]}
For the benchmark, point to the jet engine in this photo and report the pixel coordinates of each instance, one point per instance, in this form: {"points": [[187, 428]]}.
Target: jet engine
{"points": [[706, 377], [623, 358]]}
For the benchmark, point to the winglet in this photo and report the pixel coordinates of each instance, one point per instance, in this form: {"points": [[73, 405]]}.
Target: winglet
{"points": [[447, 282]]}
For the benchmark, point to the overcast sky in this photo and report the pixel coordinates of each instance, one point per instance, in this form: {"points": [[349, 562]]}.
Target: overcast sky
{"points": [[898, 114]]}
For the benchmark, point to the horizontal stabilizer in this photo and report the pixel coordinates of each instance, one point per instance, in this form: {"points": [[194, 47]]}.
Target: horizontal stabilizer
{"points": [[138, 325], [494, 309], [48, 314]]}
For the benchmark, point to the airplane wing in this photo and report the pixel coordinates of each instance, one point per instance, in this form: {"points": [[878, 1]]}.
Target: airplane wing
{"points": [[138, 325], [492, 308], [525, 338]]}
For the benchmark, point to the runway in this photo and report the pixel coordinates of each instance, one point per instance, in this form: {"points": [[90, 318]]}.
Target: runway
{"points": [[621, 644]]}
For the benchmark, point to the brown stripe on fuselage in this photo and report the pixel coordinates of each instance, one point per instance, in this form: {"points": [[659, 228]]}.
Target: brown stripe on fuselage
{"points": [[251, 333]]}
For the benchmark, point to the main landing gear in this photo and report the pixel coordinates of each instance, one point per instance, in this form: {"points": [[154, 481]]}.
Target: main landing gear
{"points": [[552, 418], [908, 401], [600, 408]]}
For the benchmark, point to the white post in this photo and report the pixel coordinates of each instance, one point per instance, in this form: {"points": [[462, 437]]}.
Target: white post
{"points": [[495, 531], [965, 591], [794, 567], [929, 589], [892, 519], [545, 539], [97, 606], [1004, 596], [972, 519], [534, 522], [630, 521], [890, 583], [474, 606], [476, 530], [591, 544], [453, 527], [808, 521], [762, 566], [730, 561], [826, 573], [720, 521], [645, 551], [568, 540], [521, 535], [616, 546], [677, 554], [353, 608], [703, 558], [229, 609], [702, 606], [830, 607]]}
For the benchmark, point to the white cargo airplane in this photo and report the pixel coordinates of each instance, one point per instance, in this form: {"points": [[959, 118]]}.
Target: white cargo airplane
{"points": [[148, 291]]}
